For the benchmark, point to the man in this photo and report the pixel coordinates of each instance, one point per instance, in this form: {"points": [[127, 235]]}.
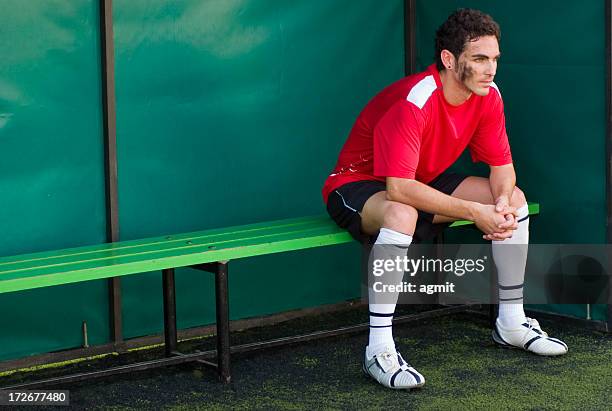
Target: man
{"points": [[390, 182]]}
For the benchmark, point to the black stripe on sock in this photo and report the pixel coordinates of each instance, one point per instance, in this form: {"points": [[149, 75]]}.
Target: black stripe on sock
{"points": [[380, 326], [510, 299], [373, 314], [510, 287], [523, 219]]}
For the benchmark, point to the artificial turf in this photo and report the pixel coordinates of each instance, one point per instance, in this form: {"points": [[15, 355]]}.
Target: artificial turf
{"points": [[463, 369]]}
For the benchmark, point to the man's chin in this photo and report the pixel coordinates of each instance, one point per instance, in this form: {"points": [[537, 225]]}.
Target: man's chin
{"points": [[481, 91]]}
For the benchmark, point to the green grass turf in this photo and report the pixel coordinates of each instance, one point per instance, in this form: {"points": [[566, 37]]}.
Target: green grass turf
{"points": [[462, 367]]}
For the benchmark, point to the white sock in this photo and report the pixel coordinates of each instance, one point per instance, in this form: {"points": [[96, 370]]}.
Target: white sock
{"points": [[510, 257], [381, 314]]}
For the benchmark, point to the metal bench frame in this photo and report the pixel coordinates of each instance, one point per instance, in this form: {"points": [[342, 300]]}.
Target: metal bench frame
{"points": [[289, 234]]}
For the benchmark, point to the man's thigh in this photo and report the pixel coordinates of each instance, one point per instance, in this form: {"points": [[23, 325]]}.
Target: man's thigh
{"points": [[373, 213], [478, 189], [379, 212], [345, 206], [471, 188], [362, 207]]}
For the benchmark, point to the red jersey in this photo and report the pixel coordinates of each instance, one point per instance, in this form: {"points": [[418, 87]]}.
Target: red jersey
{"points": [[409, 130]]}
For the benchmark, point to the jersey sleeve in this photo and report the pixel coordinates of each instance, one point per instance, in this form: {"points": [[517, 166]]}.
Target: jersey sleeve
{"points": [[490, 141], [397, 141]]}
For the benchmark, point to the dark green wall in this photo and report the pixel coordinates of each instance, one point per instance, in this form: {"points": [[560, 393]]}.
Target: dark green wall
{"points": [[51, 173], [552, 79], [228, 112]]}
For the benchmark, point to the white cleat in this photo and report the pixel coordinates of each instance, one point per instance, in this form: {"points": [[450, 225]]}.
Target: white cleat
{"points": [[530, 337], [390, 370]]}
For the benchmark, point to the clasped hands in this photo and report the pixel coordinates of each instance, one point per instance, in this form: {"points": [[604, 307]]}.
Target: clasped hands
{"points": [[497, 222]]}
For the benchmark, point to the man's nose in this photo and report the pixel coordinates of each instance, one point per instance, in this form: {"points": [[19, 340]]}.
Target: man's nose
{"points": [[491, 68]]}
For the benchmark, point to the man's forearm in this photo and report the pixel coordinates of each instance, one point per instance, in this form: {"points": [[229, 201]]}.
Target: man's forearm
{"points": [[502, 180], [423, 197]]}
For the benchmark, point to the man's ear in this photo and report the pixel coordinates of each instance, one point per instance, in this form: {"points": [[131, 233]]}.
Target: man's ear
{"points": [[448, 60]]}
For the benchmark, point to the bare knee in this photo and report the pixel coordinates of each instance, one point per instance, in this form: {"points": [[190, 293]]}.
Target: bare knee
{"points": [[518, 198], [400, 217]]}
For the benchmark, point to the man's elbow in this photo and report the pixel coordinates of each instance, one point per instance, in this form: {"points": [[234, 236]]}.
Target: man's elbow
{"points": [[392, 194], [398, 190]]}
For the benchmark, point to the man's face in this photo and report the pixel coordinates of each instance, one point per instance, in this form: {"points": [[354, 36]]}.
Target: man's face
{"points": [[477, 64]]}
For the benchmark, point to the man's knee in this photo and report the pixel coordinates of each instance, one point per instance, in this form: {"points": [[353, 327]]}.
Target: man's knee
{"points": [[518, 198], [400, 217]]}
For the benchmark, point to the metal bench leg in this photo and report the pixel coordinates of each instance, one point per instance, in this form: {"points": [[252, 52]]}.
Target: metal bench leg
{"points": [[169, 311], [223, 332], [492, 315], [494, 302]]}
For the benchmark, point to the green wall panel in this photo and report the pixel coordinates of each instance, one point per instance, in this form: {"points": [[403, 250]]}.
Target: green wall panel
{"points": [[553, 85], [51, 173], [232, 112]]}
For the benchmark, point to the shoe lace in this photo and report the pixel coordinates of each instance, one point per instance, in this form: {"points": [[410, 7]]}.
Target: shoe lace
{"points": [[533, 324], [390, 359]]}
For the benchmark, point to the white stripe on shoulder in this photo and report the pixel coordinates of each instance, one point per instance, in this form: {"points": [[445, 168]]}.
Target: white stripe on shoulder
{"points": [[496, 88], [420, 93]]}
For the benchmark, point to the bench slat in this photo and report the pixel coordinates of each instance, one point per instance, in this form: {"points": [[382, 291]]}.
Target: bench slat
{"points": [[169, 249], [182, 257], [212, 234]]}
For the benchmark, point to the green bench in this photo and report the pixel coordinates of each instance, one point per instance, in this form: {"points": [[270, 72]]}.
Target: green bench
{"points": [[209, 250]]}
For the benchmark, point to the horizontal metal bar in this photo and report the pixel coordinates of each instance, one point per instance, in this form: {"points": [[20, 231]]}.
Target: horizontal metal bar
{"points": [[565, 319], [200, 356], [208, 267], [123, 369], [80, 354], [208, 364], [346, 330]]}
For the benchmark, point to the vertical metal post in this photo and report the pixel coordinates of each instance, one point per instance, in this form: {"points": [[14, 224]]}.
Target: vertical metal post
{"points": [[409, 37], [170, 336], [366, 250], [494, 297], [116, 321], [492, 315], [608, 34], [223, 332], [110, 157]]}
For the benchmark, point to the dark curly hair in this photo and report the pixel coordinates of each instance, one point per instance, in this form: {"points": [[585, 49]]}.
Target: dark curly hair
{"points": [[460, 27]]}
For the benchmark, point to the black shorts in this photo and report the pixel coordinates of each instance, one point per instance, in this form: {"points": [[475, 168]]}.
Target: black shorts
{"points": [[346, 202]]}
